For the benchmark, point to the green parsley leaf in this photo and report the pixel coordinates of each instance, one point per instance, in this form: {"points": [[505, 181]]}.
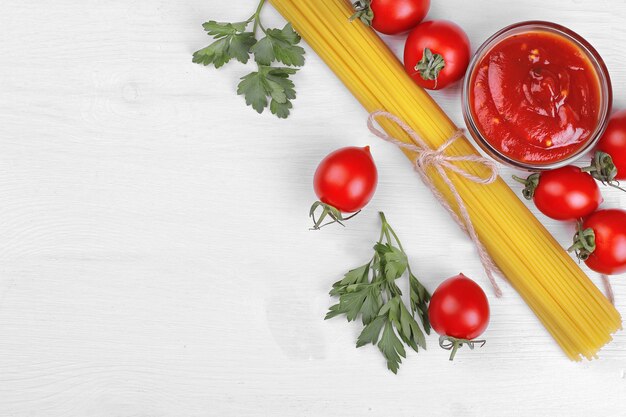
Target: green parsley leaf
{"points": [[371, 305], [216, 54], [405, 326], [354, 276], [281, 110], [240, 45], [219, 29], [254, 88], [269, 84], [419, 297], [352, 302], [393, 260], [279, 45], [371, 332], [231, 42], [392, 348], [357, 299], [409, 330]]}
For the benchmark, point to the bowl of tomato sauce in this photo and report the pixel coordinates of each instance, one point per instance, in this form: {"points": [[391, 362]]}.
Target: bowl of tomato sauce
{"points": [[536, 96]]}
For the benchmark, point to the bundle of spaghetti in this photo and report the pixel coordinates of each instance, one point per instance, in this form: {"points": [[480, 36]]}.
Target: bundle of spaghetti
{"points": [[571, 308]]}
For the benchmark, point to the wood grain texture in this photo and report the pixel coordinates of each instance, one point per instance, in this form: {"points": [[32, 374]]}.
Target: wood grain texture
{"points": [[154, 253]]}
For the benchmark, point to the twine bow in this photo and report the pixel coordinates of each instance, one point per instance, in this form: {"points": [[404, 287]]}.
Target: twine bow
{"points": [[442, 163]]}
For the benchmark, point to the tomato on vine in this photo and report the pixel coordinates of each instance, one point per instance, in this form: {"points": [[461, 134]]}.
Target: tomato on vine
{"points": [[613, 142], [436, 54], [569, 192], [459, 313], [565, 193], [601, 241], [345, 181], [391, 17]]}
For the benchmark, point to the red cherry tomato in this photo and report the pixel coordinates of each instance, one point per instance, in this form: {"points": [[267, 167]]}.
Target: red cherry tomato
{"points": [[459, 308], [392, 17], [565, 193], [436, 54], [609, 237], [346, 179], [613, 142]]}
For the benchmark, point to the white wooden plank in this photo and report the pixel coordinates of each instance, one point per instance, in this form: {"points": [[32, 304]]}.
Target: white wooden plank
{"points": [[154, 252]]}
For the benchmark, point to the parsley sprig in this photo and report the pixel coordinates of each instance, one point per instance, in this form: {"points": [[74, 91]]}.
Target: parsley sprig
{"points": [[371, 293], [269, 85]]}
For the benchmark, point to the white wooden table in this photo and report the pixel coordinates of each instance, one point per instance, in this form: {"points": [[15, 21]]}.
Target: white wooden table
{"points": [[155, 257]]}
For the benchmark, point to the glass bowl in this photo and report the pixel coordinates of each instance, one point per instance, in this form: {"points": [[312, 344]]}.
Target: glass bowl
{"points": [[606, 95]]}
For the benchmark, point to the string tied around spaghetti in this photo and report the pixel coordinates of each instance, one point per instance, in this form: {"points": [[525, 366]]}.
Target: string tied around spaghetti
{"points": [[443, 163]]}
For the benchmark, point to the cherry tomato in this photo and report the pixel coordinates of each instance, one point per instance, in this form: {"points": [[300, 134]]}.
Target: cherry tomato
{"points": [[436, 54], [613, 142], [346, 179], [459, 308], [392, 17], [605, 235], [565, 193]]}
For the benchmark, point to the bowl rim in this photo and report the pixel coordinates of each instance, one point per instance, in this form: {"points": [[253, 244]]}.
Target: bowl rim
{"points": [[606, 92]]}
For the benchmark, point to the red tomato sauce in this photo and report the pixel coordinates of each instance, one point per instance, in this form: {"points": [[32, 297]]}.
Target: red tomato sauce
{"points": [[536, 97]]}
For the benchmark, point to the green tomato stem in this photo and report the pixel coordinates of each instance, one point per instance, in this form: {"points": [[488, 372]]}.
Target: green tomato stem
{"points": [[455, 348], [453, 344]]}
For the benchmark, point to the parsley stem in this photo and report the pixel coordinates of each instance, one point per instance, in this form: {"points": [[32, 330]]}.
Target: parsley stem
{"points": [[396, 237], [388, 236], [382, 229], [387, 228], [258, 9], [257, 17]]}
